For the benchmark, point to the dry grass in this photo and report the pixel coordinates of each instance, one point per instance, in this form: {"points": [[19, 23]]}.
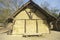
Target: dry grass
{"points": [[54, 35]]}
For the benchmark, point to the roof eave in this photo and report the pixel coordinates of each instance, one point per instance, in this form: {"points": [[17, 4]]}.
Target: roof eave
{"points": [[19, 10]]}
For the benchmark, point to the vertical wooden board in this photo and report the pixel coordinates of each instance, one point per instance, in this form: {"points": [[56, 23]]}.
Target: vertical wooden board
{"points": [[30, 26], [42, 26], [18, 28]]}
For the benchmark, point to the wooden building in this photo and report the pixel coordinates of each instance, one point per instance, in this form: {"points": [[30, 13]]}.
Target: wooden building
{"points": [[31, 19]]}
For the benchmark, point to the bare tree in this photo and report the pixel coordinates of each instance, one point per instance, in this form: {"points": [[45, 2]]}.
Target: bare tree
{"points": [[53, 11], [9, 7]]}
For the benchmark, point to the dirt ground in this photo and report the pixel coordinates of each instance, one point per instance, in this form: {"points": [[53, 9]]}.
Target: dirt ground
{"points": [[54, 35]]}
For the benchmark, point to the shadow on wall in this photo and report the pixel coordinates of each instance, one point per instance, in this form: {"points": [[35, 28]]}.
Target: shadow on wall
{"points": [[39, 15]]}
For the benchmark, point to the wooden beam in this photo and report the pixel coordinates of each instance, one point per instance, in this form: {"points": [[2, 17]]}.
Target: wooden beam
{"points": [[31, 19], [29, 14], [36, 27], [25, 27]]}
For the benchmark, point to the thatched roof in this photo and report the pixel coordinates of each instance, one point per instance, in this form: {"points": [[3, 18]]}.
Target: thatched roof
{"points": [[49, 16]]}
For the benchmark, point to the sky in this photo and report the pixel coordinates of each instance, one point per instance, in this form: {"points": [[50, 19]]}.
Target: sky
{"points": [[52, 3]]}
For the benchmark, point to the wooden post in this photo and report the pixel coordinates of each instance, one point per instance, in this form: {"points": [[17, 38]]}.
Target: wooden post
{"points": [[25, 27], [36, 27]]}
